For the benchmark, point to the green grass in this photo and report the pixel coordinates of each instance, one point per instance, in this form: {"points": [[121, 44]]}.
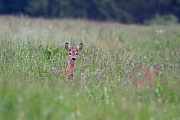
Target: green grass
{"points": [[125, 72]]}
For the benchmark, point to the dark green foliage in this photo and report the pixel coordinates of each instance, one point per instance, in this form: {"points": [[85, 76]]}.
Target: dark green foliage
{"points": [[49, 51], [125, 11]]}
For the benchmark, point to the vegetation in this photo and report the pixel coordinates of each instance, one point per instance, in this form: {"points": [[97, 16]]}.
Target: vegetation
{"points": [[123, 72], [124, 11]]}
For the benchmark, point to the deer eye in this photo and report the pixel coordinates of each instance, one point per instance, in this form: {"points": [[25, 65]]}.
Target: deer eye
{"points": [[76, 53], [69, 53]]}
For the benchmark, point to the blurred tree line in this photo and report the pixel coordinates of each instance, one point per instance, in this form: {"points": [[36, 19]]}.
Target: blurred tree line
{"points": [[125, 11]]}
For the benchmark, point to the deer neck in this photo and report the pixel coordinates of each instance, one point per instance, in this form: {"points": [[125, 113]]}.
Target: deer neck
{"points": [[70, 67]]}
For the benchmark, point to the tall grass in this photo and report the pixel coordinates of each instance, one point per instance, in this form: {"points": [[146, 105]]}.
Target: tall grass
{"points": [[123, 71]]}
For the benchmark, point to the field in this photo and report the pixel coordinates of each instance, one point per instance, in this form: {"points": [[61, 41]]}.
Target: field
{"points": [[124, 72]]}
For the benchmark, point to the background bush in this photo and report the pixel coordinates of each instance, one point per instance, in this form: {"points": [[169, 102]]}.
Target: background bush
{"points": [[163, 20], [125, 11]]}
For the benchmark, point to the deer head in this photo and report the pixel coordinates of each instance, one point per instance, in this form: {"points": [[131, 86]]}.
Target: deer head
{"points": [[73, 52]]}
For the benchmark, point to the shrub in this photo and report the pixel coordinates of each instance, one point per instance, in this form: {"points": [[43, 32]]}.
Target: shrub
{"points": [[163, 20]]}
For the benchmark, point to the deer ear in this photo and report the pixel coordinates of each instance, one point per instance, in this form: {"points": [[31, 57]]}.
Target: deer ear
{"points": [[79, 47], [67, 46]]}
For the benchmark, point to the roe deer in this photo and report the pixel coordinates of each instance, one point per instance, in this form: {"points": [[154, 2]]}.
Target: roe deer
{"points": [[73, 54]]}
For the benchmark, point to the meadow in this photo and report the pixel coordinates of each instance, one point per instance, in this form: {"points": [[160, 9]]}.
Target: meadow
{"points": [[124, 72]]}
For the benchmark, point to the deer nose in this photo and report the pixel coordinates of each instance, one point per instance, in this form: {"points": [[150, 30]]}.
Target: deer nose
{"points": [[73, 59]]}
